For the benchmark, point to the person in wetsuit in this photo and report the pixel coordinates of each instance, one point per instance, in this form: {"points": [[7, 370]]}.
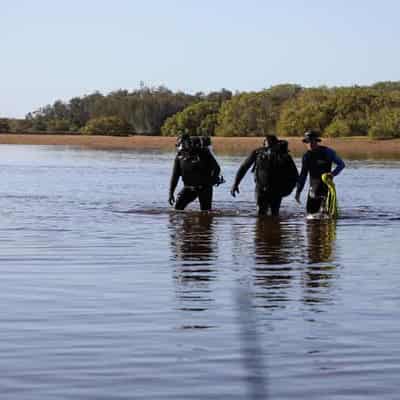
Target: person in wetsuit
{"points": [[275, 174], [199, 171], [317, 161]]}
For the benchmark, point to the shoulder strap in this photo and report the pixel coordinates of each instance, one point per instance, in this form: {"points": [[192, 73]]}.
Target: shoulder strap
{"points": [[260, 153]]}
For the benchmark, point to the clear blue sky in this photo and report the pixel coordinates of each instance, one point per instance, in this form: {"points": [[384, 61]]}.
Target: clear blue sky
{"points": [[60, 49]]}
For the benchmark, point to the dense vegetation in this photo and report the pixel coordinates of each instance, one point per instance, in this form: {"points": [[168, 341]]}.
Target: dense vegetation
{"points": [[4, 125], [286, 109]]}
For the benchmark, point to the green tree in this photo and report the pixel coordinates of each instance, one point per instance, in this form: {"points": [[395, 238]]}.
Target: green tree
{"points": [[21, 125], [385, 124], [78, 113], [208, 125], [247, 114], [284, 92], [199, 118], [353, 105], [254, 113], [219, 97], [113, 126], [337, 128], [387, 86], [287, 109], [4, 125], [144, 109], [310, 109], [59, 125], [38, 122]]}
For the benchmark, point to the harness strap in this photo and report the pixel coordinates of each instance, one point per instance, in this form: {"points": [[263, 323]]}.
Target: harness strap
{"points": [[198, 188]]}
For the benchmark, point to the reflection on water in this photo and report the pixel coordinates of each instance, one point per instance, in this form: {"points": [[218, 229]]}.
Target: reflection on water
{"points": [[276, 241], [194, 249], [321, 237], [192, 238], [319, 273], [276, 245]]}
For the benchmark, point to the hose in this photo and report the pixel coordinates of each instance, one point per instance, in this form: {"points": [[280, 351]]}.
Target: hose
{"points": [[331, 203]]}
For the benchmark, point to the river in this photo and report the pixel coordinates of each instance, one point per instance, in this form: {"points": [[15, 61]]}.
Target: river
{"points": [[107, 293]]}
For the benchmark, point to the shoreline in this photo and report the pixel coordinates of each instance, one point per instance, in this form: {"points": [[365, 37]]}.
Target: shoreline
{"points": [[353, 147]]}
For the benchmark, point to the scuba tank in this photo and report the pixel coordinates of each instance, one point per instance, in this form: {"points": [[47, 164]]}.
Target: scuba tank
{"points": [[200, 142], [191, 148], [274, 169], [193, 143]]}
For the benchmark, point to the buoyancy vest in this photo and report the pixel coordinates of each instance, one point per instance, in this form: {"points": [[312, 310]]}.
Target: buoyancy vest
{"points": [[275, 170], [196, 168]]}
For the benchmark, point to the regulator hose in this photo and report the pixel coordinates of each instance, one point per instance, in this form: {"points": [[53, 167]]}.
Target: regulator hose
{"points": [[331, 203]]}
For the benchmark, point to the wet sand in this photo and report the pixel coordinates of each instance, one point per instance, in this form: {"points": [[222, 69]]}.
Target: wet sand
{"points": [[355, 147]]}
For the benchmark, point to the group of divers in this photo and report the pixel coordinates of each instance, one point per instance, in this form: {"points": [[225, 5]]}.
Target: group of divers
{"points": [[275, 174]]}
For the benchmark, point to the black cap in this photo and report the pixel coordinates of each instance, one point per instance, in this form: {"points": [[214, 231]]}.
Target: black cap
{"points": [[311, 136]]}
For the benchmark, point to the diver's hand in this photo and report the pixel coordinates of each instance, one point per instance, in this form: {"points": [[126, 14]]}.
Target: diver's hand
{"points": [[234, 190], [220, 180], [329, 175], [171, 199], [297, 197]]}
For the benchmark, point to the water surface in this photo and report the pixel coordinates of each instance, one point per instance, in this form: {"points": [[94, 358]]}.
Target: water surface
{"points": [[107, 293]]}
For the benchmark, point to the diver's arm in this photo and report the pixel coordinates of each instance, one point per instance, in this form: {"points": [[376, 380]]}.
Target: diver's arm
{"points": [[215, 168], [176, 173], [338, 161], [244, 167], [303, 175], [293, 167]]}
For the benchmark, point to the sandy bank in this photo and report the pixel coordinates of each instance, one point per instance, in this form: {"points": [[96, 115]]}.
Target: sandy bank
{"points": [[356, 148]]}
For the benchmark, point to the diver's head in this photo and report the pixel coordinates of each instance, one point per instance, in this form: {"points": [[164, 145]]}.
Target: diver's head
{"points": [[270, 140], [311, 138], [183, 142]]}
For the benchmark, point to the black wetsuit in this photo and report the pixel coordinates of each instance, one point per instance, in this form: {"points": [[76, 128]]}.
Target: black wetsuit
{"points": [[270, 182], [199, 171], [317, 162]]}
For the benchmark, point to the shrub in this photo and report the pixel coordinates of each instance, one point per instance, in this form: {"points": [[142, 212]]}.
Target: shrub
{"points": [[311, 109], [4, 125], [112, 126], [58, 125], [337, 128], [385, 124], [199, 118], [247, 114], [21, 125]]}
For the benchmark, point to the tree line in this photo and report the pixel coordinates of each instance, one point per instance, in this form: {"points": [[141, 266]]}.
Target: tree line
{"points": [[287, 110]]}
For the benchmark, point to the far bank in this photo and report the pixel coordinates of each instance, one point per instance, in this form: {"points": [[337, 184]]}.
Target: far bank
{"points": [[353, 148]]}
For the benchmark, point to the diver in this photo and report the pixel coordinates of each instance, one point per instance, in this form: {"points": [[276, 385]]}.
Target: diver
{"points": [[316, 162], [275, 174], [199, 171]]}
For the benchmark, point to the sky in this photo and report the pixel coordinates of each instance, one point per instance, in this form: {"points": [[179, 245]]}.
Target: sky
{"points": [[55, 50]]}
